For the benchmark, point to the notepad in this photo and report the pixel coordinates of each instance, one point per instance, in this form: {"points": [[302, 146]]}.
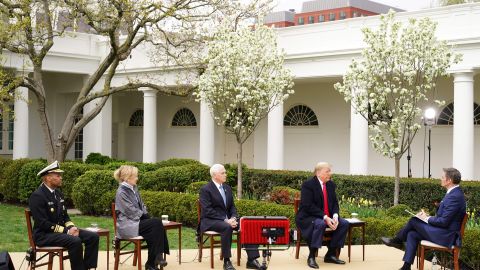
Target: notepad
{"points": [[415, 215]]}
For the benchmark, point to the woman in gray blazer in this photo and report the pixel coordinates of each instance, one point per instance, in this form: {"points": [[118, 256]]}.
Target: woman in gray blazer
{"points": [[133, 219]]}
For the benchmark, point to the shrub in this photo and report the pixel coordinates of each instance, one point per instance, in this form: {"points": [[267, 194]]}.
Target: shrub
{"points": [[174, 178], [142, 167], [261, 182], [28, 181], [471, 245], [97, 158], [194, 188], [174, 162], [94, 191], [398, 211], [4, 163], [284, 195], [73, 170], [11, 179]]}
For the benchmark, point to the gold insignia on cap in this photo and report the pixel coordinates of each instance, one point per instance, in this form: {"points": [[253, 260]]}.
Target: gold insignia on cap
{"points": [[51, 210]]}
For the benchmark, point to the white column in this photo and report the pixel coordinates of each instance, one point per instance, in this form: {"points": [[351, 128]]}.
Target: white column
{"points": [[275, 138], [358, 143], [149, 126], [207, 135], [463, 146], [20, 126], [97, 134]]}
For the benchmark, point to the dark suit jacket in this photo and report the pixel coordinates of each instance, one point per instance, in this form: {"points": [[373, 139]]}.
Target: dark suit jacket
{"points": [[213, 208], [311, 205], [444, 227], [49, 214]]}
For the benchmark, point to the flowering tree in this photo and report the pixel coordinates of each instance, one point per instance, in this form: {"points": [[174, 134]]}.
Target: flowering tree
{"points": [[400, 66], [243, 81], [30, 28]]}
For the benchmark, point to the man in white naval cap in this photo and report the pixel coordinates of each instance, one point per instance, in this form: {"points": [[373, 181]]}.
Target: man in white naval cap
{"points": [[52, 225]]}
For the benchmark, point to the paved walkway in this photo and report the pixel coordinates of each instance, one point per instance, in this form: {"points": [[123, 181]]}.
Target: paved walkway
{"points": [[377, 257]]}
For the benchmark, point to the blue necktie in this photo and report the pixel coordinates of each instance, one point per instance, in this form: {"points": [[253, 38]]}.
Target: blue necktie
{"points": [[222, 192]]}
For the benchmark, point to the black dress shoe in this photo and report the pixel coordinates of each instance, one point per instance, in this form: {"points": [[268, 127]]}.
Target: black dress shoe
{"points": [[312, 263], [333, 259], [406, 266], [149, 267], [160, 261], [227, 265], [393, 242], [254, 264]]}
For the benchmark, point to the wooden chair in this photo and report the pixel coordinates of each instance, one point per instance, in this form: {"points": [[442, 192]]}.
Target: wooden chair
{"points": [[327, 236], [120, 244], [214, 241], [427, 245], [50, 251]]}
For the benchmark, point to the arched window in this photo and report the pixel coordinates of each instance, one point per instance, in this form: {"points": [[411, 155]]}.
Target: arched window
{"points": [[446, 115], [136, 120], [300, 115], [184, 118]]}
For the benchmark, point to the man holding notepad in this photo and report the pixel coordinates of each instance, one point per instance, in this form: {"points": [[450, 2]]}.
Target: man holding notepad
{"points": [[442, 229]]}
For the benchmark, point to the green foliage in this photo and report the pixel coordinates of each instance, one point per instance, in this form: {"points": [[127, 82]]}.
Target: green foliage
{"points": [[174, 178], [194, 188], [28, 179], [4, 163], [398, 211], [94, 191], [10, 179], [73, 170], [284, 195], [261, 182], [178, 206], [471, 246], [97, 158], [173, 162]]}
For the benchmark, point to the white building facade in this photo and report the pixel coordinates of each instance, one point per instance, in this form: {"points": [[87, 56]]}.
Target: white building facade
{"points": [[315, 124]]}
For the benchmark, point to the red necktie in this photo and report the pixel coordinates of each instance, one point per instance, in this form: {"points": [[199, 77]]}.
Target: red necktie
{"points": [[325, 200]]}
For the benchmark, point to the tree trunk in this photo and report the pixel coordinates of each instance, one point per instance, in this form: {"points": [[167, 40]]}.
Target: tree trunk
{"points": [[397, 181], [239, 171], [60, 153]]}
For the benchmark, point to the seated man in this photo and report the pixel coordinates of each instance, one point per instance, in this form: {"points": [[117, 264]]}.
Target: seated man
{"points": [[442, 229], [319, 210], [219, 214], [52, 225]]}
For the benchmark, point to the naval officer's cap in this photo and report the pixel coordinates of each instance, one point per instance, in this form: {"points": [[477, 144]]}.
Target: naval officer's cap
{"points": [[52, 168]]}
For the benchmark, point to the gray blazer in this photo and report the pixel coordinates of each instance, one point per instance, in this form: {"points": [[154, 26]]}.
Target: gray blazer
{"points": [[128, 212]]}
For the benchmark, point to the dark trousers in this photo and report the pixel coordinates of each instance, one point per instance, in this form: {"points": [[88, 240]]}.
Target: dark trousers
{"points": [[226, 232], [152, 231], [78, 260], [338, 236], [412, 233]]}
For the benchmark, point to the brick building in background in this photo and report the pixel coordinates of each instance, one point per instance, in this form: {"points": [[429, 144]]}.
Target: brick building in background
{"points": [[319, 11]]}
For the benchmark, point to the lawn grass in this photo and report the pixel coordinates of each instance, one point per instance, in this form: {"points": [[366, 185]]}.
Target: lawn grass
{"points": [[14, 237]]}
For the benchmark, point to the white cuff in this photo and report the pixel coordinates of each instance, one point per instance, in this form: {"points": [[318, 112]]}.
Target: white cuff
{"points": [[325, 217], [335, 215]]}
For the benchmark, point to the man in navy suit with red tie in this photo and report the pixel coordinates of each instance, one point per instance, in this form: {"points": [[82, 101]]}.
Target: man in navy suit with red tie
{"points": [[442, 229], [318, 211], [219, 214]]}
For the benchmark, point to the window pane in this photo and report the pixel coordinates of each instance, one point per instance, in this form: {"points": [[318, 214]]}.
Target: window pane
{"points": [[321, 18], [310, 19], [343, 15], [300, 21], [10, 134], [332, 17]]}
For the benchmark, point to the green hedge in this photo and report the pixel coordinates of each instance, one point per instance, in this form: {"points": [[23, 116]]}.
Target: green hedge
{"points": [[4, 163], [73, 170], [174, 178], [10, 179], [93, 192], [28, 181], [415, 192]]}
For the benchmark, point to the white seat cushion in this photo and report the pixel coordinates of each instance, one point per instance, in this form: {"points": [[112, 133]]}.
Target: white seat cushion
{"points": [[51, 248], [431, 244]]}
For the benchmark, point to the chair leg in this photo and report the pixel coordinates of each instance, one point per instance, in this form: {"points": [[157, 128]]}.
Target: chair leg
{"points": [[297, 245], [117, 257], [239, 250], [200, 249], [60, 257], [139, 255], [50, 260], [135, 255], [422, 257], [456, 264], [211, 251]]}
